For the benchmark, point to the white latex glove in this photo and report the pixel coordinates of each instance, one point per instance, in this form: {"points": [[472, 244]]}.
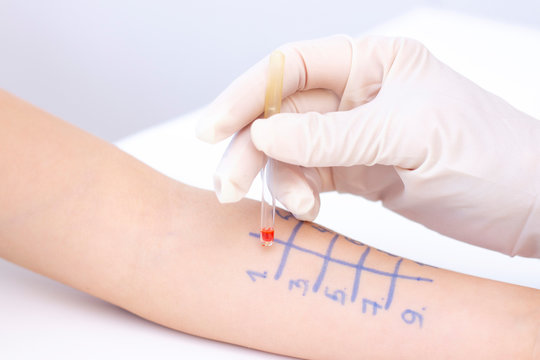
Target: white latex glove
{"points": [[383, 118]]}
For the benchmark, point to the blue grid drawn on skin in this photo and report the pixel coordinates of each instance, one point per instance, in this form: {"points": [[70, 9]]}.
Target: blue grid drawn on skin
{"points": [[359, 267]]}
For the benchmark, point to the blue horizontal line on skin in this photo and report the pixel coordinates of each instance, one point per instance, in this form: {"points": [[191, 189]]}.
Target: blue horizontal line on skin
{"points": [[342, 262]]}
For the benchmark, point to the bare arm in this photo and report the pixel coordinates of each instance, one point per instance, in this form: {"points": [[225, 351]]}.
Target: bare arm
{"points": [[82, 212]]}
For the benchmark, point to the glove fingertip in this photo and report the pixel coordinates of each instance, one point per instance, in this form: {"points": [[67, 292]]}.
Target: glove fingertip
{"points": [[309, 216], [212, 125], [304, 207], [226, 190], [304, 217], [205, 133]]}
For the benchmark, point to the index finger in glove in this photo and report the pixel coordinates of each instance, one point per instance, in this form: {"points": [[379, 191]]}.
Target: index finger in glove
{"points": [[316, 64], [242, 161]]}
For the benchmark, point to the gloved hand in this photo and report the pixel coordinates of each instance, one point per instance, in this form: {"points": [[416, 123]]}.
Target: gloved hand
{"points": [[383, 118]]}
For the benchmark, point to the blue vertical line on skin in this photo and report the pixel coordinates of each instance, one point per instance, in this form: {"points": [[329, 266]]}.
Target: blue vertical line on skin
{"points": [[286, 251], [358, 272], [327, 258], [392, 285]]}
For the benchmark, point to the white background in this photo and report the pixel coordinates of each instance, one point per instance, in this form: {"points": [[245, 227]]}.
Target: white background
{"points": [[40, 318], [114, 67]]}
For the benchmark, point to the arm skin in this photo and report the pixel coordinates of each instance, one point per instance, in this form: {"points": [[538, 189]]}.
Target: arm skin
{"points": [[78, 210]]}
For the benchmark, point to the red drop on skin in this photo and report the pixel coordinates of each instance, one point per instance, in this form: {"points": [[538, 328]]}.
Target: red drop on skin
{"points": [[267, 234]]}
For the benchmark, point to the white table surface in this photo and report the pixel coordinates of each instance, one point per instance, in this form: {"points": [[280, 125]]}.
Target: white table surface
{"points": [[41, 318]]}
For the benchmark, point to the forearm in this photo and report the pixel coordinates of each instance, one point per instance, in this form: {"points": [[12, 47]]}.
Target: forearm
{"points": [[317, 295], [104, 223], [73, 206]]}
